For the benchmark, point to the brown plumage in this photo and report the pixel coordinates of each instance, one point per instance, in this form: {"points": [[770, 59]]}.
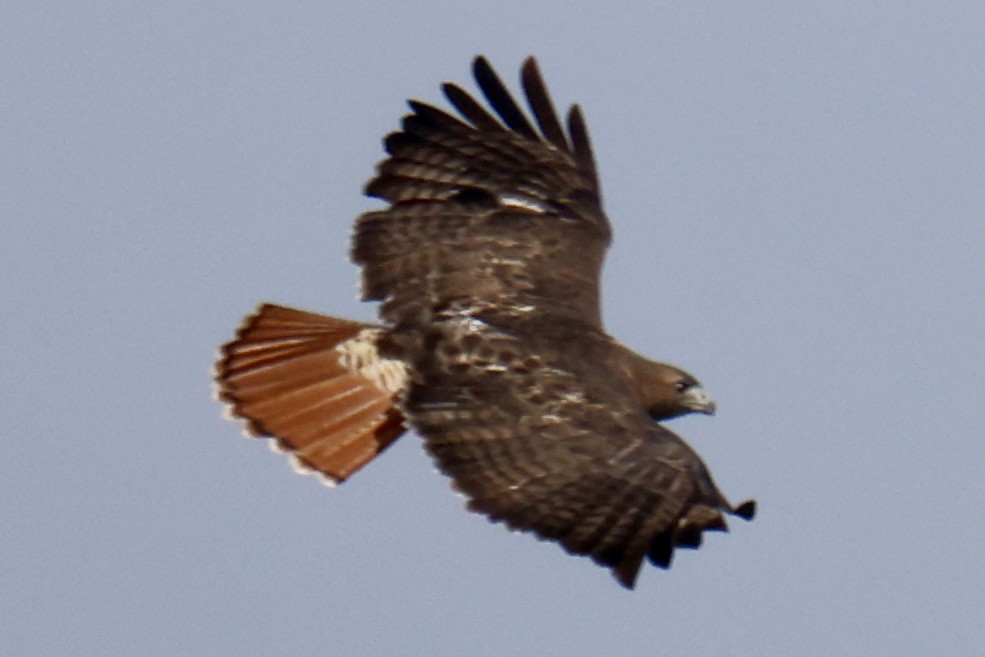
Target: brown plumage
{"points": [[487, 263]]}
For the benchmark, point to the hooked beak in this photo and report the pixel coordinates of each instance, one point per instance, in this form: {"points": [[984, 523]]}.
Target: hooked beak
{"points": [[698, 400]]}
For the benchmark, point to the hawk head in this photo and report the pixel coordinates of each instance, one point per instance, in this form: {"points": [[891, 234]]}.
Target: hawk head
{"points": [[667, 391]]}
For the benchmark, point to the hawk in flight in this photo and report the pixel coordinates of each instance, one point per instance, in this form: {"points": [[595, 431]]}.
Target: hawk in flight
{"points": [[487, 260]]}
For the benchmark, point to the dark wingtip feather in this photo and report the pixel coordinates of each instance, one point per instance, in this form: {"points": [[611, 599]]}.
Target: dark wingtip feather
{"points": [[689, 537], [746, 510], [376, 188], [469, 108], [543, 107], [396, 142], [500, 98], [581, 142], [434, 116], [627, 571], [661, 551]]}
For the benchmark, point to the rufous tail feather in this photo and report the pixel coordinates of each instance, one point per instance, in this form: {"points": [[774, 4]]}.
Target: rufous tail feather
{"points": [[315, 384]]}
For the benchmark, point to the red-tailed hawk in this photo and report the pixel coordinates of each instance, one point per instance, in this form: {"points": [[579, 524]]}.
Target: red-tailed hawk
{"points": [[487, 262]]}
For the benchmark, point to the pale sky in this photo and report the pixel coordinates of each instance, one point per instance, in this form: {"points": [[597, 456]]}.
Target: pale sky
{"points": [[798, 197]]}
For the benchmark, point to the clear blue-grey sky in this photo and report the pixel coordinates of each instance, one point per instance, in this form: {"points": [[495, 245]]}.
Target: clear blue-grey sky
{"points": [[798, 194]]}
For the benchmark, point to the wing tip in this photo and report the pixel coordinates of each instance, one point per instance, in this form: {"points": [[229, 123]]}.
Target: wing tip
{"points": [[746, 510], [627, 572]]}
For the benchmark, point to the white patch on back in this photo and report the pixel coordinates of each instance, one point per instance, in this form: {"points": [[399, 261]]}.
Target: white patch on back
{"points": [[360, 355]]}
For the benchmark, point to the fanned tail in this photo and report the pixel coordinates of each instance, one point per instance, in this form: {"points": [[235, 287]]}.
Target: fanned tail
{"points": [[315, 384]]}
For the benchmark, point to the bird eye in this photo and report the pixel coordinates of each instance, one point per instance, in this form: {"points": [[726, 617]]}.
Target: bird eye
{"points": [[682, 386]]}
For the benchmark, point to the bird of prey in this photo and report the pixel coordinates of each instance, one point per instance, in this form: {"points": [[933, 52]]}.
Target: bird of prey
{"points": [[491, 347]]}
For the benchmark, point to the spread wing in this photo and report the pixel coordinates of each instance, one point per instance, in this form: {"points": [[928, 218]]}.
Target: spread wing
{"points": [[486, 211], [487, 261], [540, 432]]}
